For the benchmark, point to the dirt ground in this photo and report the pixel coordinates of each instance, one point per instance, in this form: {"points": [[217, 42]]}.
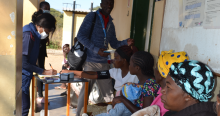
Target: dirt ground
{"points": [[57, 106], [55, 58]]}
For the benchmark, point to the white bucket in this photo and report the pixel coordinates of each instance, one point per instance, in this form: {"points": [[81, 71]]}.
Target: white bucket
{"points": [[42, 113]]}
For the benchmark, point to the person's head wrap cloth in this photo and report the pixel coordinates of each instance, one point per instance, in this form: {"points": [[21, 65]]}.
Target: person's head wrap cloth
{"points": [[195, 78], [167, 58], [123, 54]]}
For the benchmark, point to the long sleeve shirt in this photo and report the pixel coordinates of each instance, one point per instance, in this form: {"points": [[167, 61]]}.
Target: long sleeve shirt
{"points": [[27, 47], [96, 41]]}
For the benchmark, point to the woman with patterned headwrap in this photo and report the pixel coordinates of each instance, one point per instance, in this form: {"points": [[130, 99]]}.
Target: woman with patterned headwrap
{"points": [[188, 88], [166, 59], [160, 73]]}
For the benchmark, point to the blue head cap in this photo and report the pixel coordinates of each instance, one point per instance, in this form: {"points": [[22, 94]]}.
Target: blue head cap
{"points": [[195, 78]]}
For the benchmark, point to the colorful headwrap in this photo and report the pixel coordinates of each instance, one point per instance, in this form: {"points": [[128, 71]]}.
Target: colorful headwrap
{"points": [[131, 91], [167, 58], [195, 78]]}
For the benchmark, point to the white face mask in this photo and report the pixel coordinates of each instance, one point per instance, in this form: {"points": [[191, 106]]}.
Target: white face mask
{"points": [[46, 11], [43, 34]]}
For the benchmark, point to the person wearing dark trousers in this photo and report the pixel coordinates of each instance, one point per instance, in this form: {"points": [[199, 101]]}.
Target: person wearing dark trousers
{"points": [[97, 39], [42, 24], [41, 63], [45, 7]]}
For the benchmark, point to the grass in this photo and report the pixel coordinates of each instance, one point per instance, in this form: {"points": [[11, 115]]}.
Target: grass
{"points": [[54, 45], [56, 39]]}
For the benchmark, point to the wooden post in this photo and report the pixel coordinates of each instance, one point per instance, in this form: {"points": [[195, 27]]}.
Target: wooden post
{"points": [[46, 100], [32, 95], [86, 97], [68, 101]]}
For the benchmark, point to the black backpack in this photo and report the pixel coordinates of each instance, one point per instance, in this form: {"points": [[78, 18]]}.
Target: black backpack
{"points": [[75, 62]]}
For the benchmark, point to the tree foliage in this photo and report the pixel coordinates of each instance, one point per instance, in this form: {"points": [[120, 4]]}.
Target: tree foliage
{"points": [[59, 17], [56, 39]]}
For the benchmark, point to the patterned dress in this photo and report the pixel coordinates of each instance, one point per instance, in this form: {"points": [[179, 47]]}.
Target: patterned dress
{"points": [[150, 88]]}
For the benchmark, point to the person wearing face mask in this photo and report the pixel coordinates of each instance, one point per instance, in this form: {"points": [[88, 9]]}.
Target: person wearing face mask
{"points": [[42, 24], [45, 7]]}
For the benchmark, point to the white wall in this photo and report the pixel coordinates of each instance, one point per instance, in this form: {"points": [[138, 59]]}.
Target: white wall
{"points": [[200, 44], [67, 26]]}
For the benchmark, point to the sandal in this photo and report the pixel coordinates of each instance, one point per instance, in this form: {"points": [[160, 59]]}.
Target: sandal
{"points": [[63, 94], [72, 106], [59, 88]]}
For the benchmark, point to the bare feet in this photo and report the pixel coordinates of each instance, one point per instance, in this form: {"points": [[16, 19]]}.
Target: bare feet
{"points": [[40, 100]]}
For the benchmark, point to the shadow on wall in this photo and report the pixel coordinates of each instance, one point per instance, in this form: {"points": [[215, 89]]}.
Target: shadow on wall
{"points": [[34, 3]]}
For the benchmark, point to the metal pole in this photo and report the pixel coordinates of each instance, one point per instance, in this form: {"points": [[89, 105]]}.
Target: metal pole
{"points": [[74, 3], [91, 6]]}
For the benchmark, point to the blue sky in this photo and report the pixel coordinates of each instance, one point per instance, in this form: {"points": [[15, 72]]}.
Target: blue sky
{"points": [[85, 4]]}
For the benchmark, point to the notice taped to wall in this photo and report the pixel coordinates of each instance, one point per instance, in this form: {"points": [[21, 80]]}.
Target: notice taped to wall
{"points": [[212, 14], [192, 13]]}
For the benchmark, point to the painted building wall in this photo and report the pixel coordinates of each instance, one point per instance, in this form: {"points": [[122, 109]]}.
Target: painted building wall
{"points": [[67, 25], [157, 26], [11, 52], [10, 58], [121, 15], [30, 6], [199, 43]]}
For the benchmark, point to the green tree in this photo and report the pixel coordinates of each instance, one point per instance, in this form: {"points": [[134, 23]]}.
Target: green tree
{"points": [[59, 17], [56, 39]]}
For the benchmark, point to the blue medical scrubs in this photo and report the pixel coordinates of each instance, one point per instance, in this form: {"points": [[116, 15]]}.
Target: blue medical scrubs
{"points": [[30, 52]]}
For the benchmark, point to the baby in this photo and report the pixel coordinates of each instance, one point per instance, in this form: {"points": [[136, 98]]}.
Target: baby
{"points": [[132, 92]]}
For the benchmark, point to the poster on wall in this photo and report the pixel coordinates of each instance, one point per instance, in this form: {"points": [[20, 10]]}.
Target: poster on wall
{"points": [[192, 13], [212, 14]]}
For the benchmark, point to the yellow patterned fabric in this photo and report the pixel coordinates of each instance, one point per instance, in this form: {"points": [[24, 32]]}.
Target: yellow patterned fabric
{"points": [[167, 58]]}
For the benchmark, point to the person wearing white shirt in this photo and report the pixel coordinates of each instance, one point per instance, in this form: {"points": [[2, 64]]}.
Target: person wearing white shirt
{"points": [[120, 73]]}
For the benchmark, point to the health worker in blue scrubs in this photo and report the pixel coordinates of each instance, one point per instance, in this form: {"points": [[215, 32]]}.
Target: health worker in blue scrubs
{"points": [[42, 24]]}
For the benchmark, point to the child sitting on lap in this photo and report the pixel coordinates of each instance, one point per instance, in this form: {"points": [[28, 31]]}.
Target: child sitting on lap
{"points": [[132, 92]]}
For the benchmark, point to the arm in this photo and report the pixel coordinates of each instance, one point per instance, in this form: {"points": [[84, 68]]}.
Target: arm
{"points": [[29, 67], [28, 44], [147, 101], [121, 94], [27, 47], [87, 74], [84, 33], [121, 99]]}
